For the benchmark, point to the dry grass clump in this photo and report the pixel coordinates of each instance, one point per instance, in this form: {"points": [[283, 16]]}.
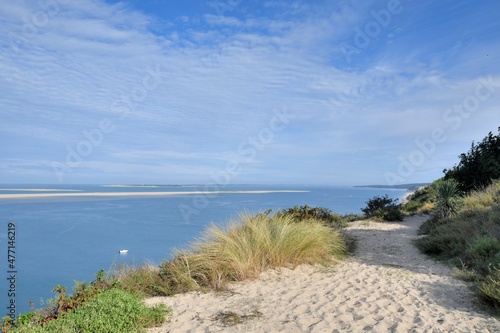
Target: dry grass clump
{"points": [[482, 199], [489, 290], [244, 249], [427, 208], [241, 250]]}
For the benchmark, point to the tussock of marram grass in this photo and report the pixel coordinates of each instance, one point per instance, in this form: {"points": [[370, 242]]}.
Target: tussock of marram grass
{"points": [[245, 249]]}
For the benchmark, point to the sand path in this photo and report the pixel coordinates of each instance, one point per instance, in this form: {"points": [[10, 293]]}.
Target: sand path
{"points": [[387, 286]]}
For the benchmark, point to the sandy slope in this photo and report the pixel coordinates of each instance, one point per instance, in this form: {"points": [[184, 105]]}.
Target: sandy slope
{"points": [[388, 286]]}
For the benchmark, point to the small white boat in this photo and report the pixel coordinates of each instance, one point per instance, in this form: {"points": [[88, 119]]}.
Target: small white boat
{"points": [[123, 251]]}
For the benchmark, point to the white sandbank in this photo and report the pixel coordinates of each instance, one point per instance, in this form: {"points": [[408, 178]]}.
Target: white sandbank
{"points": [[136, 194], [387, 286], [38, 190]]}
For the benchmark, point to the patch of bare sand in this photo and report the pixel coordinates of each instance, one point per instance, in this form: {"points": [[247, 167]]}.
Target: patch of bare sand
{"points": [[388, 286]]}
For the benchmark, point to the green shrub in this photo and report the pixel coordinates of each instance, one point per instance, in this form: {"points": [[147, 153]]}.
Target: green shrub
{"points": [[325, 215], [383, 208], [483, 248], [98, 306], [393, 213], [429, 224]]}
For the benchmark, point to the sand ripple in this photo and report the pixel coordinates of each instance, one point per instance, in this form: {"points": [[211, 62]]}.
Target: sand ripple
{"points": [[388, 286]]}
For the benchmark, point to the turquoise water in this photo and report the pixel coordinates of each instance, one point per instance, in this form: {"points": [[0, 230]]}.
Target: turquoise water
{"points": [[63, 239]]}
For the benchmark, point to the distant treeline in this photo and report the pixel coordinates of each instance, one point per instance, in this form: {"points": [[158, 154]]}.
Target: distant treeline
{"points": [[479, 166]]}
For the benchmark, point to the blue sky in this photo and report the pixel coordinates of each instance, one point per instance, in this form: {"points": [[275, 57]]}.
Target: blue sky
{"points": [[244, 91]]}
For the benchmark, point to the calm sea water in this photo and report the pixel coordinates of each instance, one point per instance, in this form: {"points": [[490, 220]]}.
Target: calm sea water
{"points": [[60, 240]]}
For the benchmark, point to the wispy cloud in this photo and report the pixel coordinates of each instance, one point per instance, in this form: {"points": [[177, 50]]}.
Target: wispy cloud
{"points": [[222, 76]]}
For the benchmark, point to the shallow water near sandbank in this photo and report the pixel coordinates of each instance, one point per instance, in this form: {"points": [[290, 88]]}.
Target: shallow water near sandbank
{"points": [[63, 239]]}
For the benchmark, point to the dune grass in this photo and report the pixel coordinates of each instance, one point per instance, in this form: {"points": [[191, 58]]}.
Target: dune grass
{"points": [[241, 250], [248, 247], [482, 199]]}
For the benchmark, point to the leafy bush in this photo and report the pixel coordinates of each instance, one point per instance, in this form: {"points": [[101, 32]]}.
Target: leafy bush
{"points": [[483, 248], [383, 208]]}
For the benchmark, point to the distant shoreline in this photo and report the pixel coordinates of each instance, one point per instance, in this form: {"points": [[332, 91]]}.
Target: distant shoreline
{"points": [[410, 187], [137, 194]]}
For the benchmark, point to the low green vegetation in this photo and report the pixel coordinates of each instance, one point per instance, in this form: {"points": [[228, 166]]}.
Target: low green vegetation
{"points": [[464, 228], [113, 310], [470, 239], [334, 220], [383, 208], [423, 200], [97, 307]]}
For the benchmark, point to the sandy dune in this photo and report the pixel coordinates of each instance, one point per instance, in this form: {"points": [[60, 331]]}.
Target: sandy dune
{"points": [[388, 286]]}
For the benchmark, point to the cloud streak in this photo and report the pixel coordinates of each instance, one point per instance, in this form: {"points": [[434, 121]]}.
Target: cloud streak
{"points": [[222, 79]]}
